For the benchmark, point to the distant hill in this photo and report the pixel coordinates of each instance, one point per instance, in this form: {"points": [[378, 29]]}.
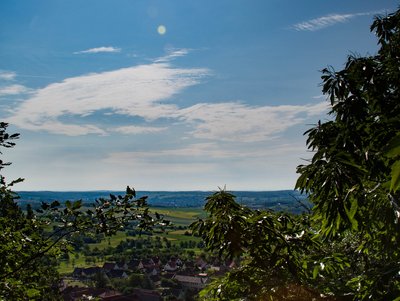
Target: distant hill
{"points": [[283, 200]]}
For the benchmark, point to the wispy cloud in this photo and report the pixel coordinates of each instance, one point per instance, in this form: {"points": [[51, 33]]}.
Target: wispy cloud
{"points": [[7, 75], [135, 91], [205, 152], [99, 50], [133, 129], [146, 91], [326, 21], [13, 90], [233, 121], [172, 54]]}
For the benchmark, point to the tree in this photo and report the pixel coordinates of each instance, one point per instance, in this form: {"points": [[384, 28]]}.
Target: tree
{"points": [[354, 176], [19, 238], [101, 280], [28, 248], [349, 245], [275, 249]]}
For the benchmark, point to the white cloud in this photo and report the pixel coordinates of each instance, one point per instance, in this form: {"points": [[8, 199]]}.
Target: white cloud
{"points": [[142, 91], [99, 50], [7, 75], [134, 91], [13, 90], [328, 20], [234, 121], [132, 129], [54, 126], [172, 54]]}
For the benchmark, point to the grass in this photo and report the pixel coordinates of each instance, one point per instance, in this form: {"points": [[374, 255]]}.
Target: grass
{"points": [[110, 241], [189, 214], [76, 260], [178, 217]]}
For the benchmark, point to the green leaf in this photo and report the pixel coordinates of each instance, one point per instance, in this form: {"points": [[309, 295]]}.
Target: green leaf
{"points": [[351, 213], [68, 204], [393, 147], [32, 292], [315, 272], [395, 182], [77, 204]]}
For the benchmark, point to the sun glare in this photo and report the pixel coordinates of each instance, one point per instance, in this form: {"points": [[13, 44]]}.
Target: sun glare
{"points": [[161, 29]]}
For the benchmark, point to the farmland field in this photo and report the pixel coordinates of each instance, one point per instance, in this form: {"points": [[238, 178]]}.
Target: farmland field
{"points": [[180, 218]]}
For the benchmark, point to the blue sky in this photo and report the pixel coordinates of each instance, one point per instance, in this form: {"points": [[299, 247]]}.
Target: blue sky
{"points": [[170, 95]]}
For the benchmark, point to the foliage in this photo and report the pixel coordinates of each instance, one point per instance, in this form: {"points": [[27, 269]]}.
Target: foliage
{"points": [[349, 245], [30, 243], [272, 247], [354, 176]]}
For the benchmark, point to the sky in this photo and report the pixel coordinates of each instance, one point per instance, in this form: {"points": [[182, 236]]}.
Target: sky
{"points": [[170, 95]]}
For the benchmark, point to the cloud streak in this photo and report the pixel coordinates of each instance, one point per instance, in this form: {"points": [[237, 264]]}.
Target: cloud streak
{"points": [[145, 92], [13, 90], [172, 54], [7, 75], [133, 129], [326, 21], [134, 91], [99, 50], [234, 121]]}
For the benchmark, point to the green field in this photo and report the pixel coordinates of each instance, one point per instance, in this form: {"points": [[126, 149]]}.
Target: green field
{"points": [[180, 218]]}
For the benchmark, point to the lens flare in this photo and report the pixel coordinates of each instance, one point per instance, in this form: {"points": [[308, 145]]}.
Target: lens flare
{"points": [[161, 29]]}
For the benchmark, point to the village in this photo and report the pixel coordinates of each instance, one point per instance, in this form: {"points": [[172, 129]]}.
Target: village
{"points": [[147, 279]]}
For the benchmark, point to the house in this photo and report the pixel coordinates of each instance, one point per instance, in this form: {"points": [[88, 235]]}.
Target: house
{"points": [[168, 275], [201, 263], [152, 271], [109, 266], [77, 273], [156, 260], [189, 267], [144, 295], [178, 261], [133, 264], [146, 263], [193, 282], [121, 266], [92, 271], [119, 298], [170, 266], [109, 295], [117, 274]]}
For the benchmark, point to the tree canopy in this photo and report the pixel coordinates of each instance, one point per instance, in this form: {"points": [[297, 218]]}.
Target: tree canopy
{"points": [[31, 242], [348, 246]]}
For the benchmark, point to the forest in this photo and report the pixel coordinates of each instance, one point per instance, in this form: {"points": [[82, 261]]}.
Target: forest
{"points": [[346, 247]]}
